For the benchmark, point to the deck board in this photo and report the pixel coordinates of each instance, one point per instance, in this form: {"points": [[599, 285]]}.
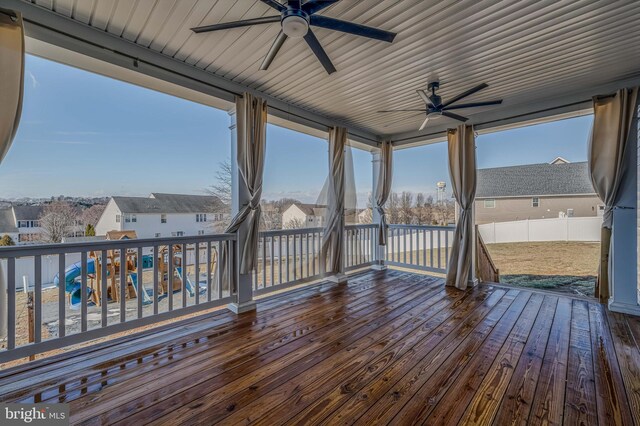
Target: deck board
{"points": [[390, 347]]}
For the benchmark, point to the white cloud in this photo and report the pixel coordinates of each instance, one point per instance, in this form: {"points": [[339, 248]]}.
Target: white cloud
{"points": [[34, 83]]}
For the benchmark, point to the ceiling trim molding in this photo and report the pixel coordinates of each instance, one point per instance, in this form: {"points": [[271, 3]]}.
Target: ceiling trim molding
{"points": [[58, 30]]}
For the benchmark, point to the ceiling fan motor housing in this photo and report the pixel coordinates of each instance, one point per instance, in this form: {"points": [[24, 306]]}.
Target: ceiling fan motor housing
{"points": [[295, 22]]}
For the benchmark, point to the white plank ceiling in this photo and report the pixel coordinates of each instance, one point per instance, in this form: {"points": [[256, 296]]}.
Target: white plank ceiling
{"points": [[525, 50]]}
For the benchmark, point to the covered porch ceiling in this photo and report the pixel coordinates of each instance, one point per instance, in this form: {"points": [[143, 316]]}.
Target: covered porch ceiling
{"points": [[544, 58]]}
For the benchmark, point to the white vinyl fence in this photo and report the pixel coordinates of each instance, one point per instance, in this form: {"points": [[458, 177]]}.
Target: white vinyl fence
{"points": [[556, 229]]}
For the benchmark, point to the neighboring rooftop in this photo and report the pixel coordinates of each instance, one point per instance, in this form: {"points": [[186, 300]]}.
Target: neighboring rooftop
{"points": [[557, 178], [28, 212], [167, 203], [311, 209], [7, 222]]}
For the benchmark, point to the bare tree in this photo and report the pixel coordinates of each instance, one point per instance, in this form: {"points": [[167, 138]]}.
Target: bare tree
{"points": [[92, 215], [392, 208], [57, 221], [406, 207], [295, 223], [222, 188]]}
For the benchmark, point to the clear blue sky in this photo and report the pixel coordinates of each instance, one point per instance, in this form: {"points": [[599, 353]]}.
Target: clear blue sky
{"points": [[85, 134]]}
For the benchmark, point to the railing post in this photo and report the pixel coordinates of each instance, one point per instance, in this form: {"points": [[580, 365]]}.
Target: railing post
{"points": [[239, 197], [379, 254]]}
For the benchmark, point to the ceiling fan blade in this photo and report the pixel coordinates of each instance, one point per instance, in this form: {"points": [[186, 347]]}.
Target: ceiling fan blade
{"points": [[274, 4], [404, 110], [236, 24], [313, 6], [473, 105], [465, 94], [316, 47], [425, 98], [273, 51], [351, 28], [424, 123], [454, 116]]}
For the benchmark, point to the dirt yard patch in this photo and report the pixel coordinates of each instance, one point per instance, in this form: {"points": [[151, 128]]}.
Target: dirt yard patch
{"points": [[567, 267]]}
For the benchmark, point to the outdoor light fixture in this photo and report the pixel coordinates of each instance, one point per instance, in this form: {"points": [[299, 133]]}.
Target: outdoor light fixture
{"points": [[295, 26]]}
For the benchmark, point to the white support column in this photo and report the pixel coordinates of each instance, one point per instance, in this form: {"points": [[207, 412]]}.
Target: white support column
{"points": [[376, 163], [623, 262], [239, 197]]}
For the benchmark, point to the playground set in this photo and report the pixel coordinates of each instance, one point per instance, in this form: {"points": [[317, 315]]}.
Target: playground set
{"points": [[134, 269]]}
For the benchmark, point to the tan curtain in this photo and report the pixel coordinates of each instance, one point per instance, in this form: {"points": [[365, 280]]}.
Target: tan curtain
{"points": [[612, 118], [383, 187], [11, 86], [332, 243], [462, 168], [251, 113]]}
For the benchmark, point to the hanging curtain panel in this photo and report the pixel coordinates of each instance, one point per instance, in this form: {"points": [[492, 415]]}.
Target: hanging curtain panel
{"points": [[251, 113], [613, 115], [462, 168], [383, 187], [11, 88], [333, 242]]}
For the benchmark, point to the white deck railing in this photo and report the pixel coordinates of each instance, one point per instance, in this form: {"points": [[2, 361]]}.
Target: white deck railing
{"points": [[90, 303], [421, 247]]}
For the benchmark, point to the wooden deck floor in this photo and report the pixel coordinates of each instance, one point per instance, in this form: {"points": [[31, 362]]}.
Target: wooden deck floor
{"points": [[389, 347]]}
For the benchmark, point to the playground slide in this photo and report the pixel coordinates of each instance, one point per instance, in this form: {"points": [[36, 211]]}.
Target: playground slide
{"points": [[190, 287], [146, 299]]}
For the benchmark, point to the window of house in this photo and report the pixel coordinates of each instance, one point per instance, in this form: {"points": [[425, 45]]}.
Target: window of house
{"points": [[489, 204], [535, 202], [177, 234], [201, 232], [157, 235], [163, 218], [201, 217], [127, 218], [134, 218], [117, 218], [23, 224]]}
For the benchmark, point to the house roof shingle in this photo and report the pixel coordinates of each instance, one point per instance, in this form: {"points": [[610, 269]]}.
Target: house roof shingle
{"points": [[167, 203], [28, 212], [535, 180]]}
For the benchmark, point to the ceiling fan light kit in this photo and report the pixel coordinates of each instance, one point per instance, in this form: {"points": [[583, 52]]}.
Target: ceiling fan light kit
{"points": [[296, 18]]}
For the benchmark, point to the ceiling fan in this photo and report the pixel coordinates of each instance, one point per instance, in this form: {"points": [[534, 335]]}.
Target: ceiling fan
{"points": [[436, 108], [295, 18]]}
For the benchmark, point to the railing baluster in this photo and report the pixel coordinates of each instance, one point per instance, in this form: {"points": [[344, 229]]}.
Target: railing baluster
{"points": [[314, 252], [439, 246], [209, 280], [295, 269], [83, 291], [272, 258], [62, 308], [264, 261], [219, 268], [197, 271], [11, 302], [156, 283], [37, 299], [431, 247], [307, 244], [123, 284], [280, 259], [185, 275], [169, 279], [411, 246], [446, 248], [231, 261], [103, 287], [287, 242], [424, 247], [138, 283]]}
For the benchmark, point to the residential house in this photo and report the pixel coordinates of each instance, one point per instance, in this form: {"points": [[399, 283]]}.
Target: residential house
{"points": [[536, 191], [302, 215], [161, 215]]}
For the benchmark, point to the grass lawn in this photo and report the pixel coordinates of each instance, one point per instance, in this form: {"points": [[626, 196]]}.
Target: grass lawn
{"points": [[567, 267]]}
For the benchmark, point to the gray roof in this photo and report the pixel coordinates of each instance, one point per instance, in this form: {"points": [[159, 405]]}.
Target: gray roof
{"points": [[167, 203], [535, 180], [310, 209], [7, 223], [28, 212]]}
